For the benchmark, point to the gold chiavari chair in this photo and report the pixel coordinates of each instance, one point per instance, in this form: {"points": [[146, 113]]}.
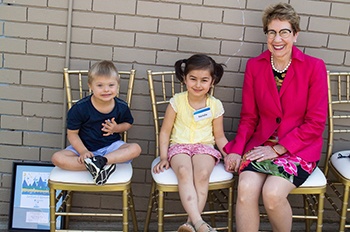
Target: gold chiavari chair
{"points": [[338, 151], [163, 85], [63, 183]]}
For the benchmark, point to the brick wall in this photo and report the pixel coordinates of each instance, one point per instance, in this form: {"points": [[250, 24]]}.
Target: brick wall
{"points": [[139, 34]]}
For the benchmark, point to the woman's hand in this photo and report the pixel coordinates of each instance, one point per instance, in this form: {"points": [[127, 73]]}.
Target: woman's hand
{"points": [[261, 153], [163, 163], [232, 162]]}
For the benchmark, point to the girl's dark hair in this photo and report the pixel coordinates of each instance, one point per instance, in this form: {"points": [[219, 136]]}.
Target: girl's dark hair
{"points": [[198, 62]]}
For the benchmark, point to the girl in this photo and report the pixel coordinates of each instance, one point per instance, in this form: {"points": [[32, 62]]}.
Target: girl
{"points": [[193, 123]]}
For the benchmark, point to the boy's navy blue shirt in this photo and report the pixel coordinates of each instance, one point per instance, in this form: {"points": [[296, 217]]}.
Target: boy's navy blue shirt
{"points": [[84, 117]]}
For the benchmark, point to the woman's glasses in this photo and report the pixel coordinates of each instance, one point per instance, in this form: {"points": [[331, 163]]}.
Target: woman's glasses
{"points": [[284, 33]]}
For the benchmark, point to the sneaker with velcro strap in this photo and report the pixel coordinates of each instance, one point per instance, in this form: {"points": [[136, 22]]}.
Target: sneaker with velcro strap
{"points": [[104, 174], [95, 165]]}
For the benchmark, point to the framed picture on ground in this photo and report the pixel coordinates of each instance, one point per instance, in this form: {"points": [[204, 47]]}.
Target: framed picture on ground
{"points": [[29, 205]]}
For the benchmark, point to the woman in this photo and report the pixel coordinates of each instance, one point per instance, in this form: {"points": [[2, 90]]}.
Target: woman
{"points": [[284, 110]]}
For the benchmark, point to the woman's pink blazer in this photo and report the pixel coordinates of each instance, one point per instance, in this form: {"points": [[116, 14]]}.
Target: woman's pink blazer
{"points": [[298, 111]]}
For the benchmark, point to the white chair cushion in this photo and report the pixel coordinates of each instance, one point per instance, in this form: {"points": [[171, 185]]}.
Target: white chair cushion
{"points": [[122, 174], [168, 176], [342, 165], [317, 178]]}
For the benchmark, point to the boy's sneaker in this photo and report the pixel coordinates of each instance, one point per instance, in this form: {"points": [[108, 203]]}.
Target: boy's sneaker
{"points": [[95, 164], [104, 174]]}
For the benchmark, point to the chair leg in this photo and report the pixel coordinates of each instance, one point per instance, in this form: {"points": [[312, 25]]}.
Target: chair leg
{"points": [[52, 210], [344, 208], [160, 211], [125, 211], [307, 213], [150, 207], [132, 210], [230, 209], [320, 212], [68, 204], [211, 208]]}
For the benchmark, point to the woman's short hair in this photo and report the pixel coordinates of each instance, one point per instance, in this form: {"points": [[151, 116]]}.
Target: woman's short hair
{"points": [[283, 12]]}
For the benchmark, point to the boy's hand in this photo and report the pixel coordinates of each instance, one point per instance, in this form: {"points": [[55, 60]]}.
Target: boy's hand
{"points": [[109, 127], [161, 165], [82, 156]]}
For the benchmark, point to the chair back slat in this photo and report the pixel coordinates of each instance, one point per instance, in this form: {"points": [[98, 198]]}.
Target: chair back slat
{"points": [[162, 86], [76, 86], [338, 109]]}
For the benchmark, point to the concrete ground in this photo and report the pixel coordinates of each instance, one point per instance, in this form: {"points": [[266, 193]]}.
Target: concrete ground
{"points": [[330, 223], [297, 226]]}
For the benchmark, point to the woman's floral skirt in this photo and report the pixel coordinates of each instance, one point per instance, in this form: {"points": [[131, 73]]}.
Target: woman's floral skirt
{"points": [[287, 166]]}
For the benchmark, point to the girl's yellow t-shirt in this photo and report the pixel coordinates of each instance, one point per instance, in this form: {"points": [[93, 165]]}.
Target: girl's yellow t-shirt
{"points": [[186, 129]]}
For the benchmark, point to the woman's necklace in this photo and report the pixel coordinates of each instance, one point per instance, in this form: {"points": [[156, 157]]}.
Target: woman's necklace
{"points": [[277, 70]]}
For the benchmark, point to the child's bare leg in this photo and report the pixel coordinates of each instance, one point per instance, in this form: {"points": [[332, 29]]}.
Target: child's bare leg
{"points": [[202, 167], [182, 166], [68, 160], [124, 153]]}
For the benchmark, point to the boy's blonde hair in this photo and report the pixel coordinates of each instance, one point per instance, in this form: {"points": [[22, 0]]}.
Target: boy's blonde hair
{"points": [[103, 68]]}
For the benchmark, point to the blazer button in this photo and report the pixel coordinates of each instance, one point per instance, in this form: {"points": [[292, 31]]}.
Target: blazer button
{"points": [[278, 120]]}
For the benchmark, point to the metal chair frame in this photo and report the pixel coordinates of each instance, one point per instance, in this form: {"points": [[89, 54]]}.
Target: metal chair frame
{"points": [[168, 86], [338, 117], [62, 191]]}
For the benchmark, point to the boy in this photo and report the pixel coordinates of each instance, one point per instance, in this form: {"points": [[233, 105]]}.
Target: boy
{"points": [[94, 125]]}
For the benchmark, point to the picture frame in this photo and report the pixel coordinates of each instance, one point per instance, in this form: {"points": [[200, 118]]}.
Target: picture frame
{"points": [[30, 198]]}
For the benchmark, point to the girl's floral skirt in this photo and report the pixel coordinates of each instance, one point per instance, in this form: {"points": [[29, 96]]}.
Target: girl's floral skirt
{"points": [[287, 166]]}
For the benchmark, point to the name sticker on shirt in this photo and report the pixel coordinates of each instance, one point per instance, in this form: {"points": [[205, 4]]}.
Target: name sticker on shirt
{"points": [[202, 114]]}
